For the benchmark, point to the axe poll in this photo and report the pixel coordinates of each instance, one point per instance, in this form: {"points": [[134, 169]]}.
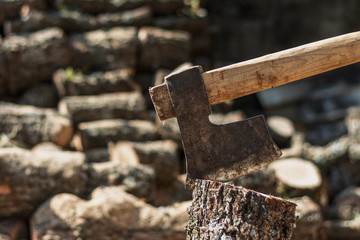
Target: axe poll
{"points": [[188, 95]]}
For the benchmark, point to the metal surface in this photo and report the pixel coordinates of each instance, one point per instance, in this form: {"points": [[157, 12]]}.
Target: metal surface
{"points": [[216, 152]]}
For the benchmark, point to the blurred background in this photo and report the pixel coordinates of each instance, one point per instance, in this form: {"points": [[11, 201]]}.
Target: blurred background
{"points": [[83, 154]]}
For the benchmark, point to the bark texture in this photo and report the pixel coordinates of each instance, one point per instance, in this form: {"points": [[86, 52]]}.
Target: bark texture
{"points": [[106, 49], [223, 211], [110, 214], [30, 125], [27, 178], [72, 83], [163, 48], [99, 133], [50, 49], [129, 105], [74, 21]]}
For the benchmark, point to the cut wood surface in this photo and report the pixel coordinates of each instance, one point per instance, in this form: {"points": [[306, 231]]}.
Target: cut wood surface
{"points": [[224, 211], [269, 71]]}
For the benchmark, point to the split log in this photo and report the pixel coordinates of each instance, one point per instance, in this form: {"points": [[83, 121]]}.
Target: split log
{"points": [[281, 130], [163, 156], [163, 48], [298, 177], [69, 82], [30, 125], [108, 49], [223, 211], [111, 213], [28, 178], [13, 229], [50, 49], [310, 220], [73, 21], [127, 105], [40, 95], [99, 133]]}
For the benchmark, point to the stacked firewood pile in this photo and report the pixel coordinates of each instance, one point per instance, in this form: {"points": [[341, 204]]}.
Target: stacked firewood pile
{"points": [[82, 154]]}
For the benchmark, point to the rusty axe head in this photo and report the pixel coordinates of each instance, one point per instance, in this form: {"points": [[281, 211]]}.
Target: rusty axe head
{"points": [[216, 152]]}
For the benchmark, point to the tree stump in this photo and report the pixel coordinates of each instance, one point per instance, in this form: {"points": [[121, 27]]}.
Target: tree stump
{"points": [[224, 211]]}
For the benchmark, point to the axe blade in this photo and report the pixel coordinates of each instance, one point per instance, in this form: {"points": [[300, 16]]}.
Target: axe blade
{"points": [[216, 152]]}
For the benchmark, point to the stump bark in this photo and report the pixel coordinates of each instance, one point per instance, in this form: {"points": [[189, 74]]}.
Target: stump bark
{"points": [[224, 211]]}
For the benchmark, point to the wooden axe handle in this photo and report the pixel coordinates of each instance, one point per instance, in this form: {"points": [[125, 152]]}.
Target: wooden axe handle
{"points": [[269, 71]]}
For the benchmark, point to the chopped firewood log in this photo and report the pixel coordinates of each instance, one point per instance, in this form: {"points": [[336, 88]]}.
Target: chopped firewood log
{"points": [[310, 220], [99, 133], [138, 180], [281, 130], [74, 21], [13, 229], [163, 156], [163, 48], [69, 82], [50, 49], [127, 105], [29, 178], [30, 125], [107, 49], [298, 177], [224, 211], [110, 212]]}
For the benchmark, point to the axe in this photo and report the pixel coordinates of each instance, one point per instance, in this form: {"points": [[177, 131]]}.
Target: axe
{"points": [[225, 152]]}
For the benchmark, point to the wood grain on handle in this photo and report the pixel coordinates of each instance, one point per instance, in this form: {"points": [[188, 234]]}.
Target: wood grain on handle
{"points": [[269, 71]]}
